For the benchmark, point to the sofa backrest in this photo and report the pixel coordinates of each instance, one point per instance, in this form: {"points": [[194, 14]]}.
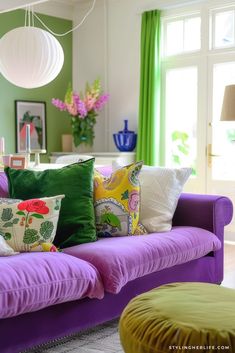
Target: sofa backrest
{"points": [[3, 185], [105, 170]]}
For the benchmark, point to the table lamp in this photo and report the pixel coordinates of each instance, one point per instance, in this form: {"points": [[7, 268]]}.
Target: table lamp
{"points": [[228, 107]]}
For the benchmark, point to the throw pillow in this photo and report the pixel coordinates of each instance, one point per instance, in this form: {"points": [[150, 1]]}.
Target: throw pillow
{"points": [[77, 219], [44, 247], [8, 201], [160, 191], [26, 225], [117, 201], [5, 249]]}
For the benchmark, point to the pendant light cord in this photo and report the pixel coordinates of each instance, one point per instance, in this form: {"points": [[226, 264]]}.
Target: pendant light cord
{"points": [[61, 34], [29, 16]]}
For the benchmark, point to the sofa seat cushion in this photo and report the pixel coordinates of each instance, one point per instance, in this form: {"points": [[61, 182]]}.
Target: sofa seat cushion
{"points": [[120, 260], [30, 282]]}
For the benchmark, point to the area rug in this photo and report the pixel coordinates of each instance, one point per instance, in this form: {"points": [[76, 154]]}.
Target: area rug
{"points": [[100, 339]]}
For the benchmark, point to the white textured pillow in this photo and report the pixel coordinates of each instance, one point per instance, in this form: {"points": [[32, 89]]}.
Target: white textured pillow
{"points": [[160, 191], [5, 249]]}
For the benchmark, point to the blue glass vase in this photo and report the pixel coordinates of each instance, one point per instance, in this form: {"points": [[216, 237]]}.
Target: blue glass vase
{"points": [[125, 140]]}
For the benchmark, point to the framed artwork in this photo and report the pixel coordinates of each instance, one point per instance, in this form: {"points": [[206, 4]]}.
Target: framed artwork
{"points": [[18, 162], [34, 114]]}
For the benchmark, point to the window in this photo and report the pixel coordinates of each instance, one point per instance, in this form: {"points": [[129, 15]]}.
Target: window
{"points": [[182, 35], [222, 29], [195, 70]]}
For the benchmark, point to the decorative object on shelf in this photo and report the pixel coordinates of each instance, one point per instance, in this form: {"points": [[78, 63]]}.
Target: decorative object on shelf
{"points": [[83, 109], [82, 148], [2, 149], [2, 145], [67, 143], [27, 139], [6, 160], [27, 143], [37, 156], [19, 162], [30, 126], [125, 140]]}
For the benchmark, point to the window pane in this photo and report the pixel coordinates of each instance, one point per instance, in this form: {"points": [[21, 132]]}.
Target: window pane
{"points": [[192, 34], [223, 133], [224, 29], [174, 38], [181, 117]]}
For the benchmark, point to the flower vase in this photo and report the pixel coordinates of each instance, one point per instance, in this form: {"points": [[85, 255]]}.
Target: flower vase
{"points": [[125, 140], [82, 148]]}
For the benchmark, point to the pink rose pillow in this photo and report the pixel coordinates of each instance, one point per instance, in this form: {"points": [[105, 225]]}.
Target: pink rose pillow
{"points": [[30, 225]]}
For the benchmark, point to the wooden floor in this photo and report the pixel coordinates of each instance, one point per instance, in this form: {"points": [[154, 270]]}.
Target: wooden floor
{"points": [[229, 265]]}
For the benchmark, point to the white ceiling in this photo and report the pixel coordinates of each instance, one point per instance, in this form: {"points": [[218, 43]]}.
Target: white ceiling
{"points": [[15, 4], [10, 5]]}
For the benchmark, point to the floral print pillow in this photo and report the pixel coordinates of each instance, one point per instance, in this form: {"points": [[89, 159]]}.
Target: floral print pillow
{"points": [[117, 202], [30, 225]]}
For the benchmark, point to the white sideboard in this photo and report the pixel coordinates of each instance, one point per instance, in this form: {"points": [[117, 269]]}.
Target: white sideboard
{"points": [[101, 158]]}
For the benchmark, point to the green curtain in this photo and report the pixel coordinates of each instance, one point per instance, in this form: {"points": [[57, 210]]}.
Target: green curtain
{"points": [[148, 144]]}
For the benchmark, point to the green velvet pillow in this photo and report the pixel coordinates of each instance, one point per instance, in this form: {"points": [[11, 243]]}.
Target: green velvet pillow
{"points": [[77, 219]]}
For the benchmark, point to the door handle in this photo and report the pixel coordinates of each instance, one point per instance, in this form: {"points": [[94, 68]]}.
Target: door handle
{"points": [[210, 155]]}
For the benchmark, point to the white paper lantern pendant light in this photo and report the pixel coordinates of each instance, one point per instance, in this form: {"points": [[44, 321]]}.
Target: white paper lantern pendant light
{"points": [[30, 57]]}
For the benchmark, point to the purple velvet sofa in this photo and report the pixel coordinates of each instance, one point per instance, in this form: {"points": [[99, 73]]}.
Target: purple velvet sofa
{"points": [[47, 296]]}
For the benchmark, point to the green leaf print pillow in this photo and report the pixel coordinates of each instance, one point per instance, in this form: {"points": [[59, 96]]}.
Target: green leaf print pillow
{"points": [[30, 225]]}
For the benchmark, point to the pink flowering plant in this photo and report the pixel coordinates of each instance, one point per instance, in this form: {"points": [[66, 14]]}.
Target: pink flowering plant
{"points": [[83, 109]]}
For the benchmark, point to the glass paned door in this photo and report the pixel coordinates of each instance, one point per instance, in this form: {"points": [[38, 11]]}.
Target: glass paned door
{"points": [[184, 124], [181, 117], [221, 134]]}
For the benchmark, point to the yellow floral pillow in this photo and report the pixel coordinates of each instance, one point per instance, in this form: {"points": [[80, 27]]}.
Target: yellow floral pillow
{"points": [[117, 201]]}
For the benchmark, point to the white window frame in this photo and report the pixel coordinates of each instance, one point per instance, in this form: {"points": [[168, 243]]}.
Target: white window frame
{"points": [[167, 20], [202, 58], [213, 13]]}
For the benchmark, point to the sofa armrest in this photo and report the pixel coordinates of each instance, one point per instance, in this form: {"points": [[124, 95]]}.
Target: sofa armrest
{"points": [[209, 212]]}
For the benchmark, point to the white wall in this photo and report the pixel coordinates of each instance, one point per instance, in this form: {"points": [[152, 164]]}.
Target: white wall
{"points": [[89, 59], [108, 45]]}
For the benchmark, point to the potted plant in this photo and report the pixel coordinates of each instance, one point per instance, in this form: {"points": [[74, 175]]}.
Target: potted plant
{"points": [[83, 109]]}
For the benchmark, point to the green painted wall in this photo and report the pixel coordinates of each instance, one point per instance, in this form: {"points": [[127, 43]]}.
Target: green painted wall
{"points": [[57, 122]]}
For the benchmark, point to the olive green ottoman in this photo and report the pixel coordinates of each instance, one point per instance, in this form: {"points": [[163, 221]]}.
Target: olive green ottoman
{"points": [[180, 317]]}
